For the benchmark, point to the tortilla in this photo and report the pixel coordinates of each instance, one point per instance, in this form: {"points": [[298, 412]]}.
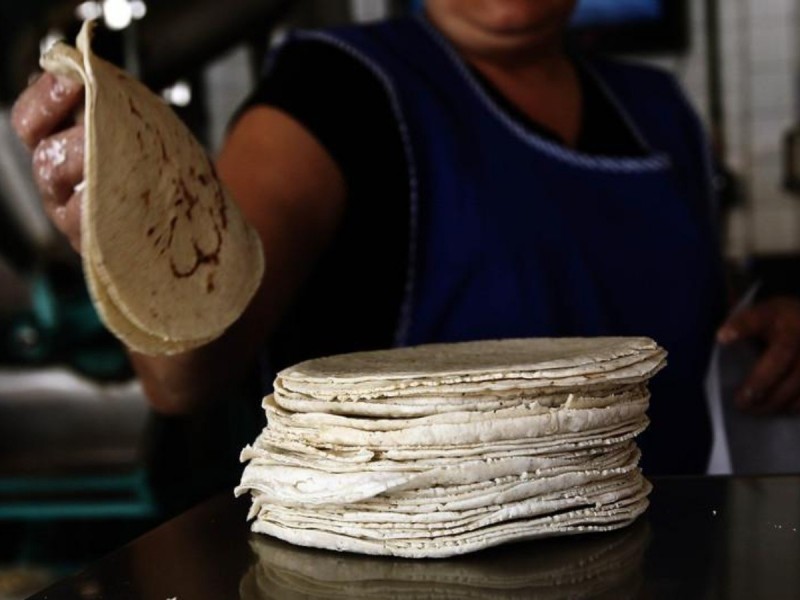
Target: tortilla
{"points": [[549, 424], [466, 413], [457, 361], [170, 261], [493, 383], [133, 337], [270, 441], [564, 523], [394, 523], [365, 462], [282, 486]]}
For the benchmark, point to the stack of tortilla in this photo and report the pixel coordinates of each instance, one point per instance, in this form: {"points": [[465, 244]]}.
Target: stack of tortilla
{"points": [[169, 260], [438, 450]]}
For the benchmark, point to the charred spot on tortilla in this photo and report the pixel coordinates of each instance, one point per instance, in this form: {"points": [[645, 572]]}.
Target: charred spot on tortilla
{"points": [[186, 195], [134, 110], [202, 257]]}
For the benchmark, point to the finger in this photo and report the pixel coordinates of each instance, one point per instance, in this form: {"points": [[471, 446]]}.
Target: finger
{"points": [[773, 366], [786, 393], [43, 106], [750, 322], [58, 166], [67, 218]]}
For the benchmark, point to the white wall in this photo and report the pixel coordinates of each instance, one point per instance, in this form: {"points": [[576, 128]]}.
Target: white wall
{"points": [[760, 41]]}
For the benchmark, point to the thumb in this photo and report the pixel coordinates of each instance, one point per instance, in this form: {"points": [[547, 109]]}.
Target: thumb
{"points": [[750, 322]]}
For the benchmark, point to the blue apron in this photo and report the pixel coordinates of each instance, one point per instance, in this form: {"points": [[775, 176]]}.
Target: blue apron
{"points": [[513, 235]]}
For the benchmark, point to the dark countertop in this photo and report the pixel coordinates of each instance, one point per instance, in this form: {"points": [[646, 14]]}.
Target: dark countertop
{"points": [[701, 537]]}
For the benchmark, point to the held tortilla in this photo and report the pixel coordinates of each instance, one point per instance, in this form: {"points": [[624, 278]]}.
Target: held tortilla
{"points": [[170, 261]]}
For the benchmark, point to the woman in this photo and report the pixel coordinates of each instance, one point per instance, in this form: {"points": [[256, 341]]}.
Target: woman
{"points": [[505, 187]]}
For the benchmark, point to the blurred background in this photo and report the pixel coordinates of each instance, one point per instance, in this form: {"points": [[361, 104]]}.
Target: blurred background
{"points": [[85, 467]]}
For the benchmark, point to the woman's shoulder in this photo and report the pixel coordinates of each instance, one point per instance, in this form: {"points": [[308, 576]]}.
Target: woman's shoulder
{"points": [[336, 99], [302, 58], [320, 85]]}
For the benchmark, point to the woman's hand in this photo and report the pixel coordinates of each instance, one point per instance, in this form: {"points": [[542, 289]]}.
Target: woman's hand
{"points": [[43, 120], [774, 383]]}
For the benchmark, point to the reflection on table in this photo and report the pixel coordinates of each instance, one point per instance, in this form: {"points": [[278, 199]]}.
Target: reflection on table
{"points": [[702, 537], [607, 565]]}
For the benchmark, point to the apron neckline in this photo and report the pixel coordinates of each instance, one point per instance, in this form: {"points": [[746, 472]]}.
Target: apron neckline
{"points": [[654, 161]]}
